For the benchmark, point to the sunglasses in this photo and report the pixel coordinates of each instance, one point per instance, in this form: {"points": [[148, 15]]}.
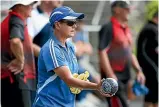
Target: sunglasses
{"points": [[68, 22]]}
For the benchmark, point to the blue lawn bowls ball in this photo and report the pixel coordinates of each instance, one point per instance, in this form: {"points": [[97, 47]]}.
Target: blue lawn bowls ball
{"points": [[110, 86], [106, 87]]}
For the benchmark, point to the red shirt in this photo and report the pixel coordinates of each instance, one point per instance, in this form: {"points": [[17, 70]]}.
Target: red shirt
{"points": [[7, 55], [119, 52]]}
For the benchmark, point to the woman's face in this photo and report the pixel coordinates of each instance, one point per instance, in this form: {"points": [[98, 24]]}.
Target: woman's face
{"points": [[68, 28]]}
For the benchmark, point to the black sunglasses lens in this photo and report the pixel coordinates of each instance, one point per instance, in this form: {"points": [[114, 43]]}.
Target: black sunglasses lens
{"points": [[70, 23]]}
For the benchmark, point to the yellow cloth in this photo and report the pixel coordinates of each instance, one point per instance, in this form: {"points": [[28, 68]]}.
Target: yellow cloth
{"points": [[84, 76]]}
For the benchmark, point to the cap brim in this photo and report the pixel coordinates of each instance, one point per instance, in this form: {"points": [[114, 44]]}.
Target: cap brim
{"points": [[74, 16], [24, 3], [132, 7], [129, 7]]}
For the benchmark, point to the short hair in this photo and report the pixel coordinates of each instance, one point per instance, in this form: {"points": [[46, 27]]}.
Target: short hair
{"points": [[156, 14], [112, 11]]}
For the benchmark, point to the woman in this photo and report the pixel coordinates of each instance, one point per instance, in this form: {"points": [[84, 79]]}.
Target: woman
{"points": [[57, 62]]}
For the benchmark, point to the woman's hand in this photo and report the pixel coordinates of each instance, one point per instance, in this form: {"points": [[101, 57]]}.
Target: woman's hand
{"points": [[99, 88]]}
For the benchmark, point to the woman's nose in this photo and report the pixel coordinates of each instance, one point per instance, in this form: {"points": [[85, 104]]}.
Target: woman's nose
{"points": [[75, 25]]}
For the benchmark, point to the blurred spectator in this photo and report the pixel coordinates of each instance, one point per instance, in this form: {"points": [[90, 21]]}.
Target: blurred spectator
{"points": [[17, 66], [83, 50], [115, 53], [81, 41], [38, 25], [147, 53]]}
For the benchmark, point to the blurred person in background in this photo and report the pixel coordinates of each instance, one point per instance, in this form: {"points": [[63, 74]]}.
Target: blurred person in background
{"points": [[147, 53], [17, 63], [38, 25], [115, 52], [57, 63], [81, 40], [83, 51]]}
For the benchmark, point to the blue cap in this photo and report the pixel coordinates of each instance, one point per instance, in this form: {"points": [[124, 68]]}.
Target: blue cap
{"points": [[64, 12]]}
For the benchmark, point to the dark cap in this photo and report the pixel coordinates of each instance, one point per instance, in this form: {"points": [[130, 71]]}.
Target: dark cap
{"points": [[122, 4]]}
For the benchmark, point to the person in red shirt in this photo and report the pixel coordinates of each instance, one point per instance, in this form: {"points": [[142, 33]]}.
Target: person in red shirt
{"points": [[115, 52], [17, 63]]}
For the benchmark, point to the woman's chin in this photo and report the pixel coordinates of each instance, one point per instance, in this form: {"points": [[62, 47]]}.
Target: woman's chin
{"points": [[72, 35]]}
